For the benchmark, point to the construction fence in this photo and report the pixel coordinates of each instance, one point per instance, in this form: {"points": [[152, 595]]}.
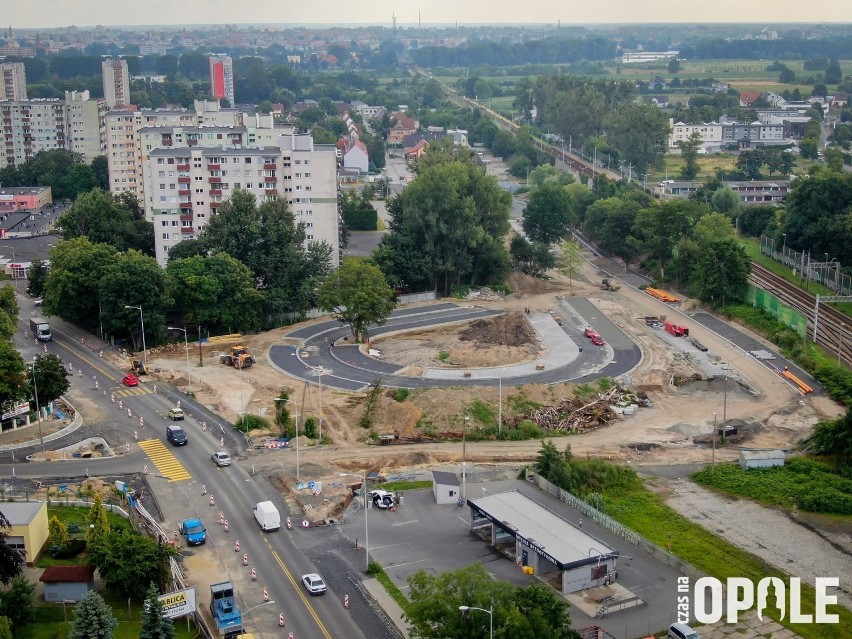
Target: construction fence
{"points": [[787, 315], [605, 521]]}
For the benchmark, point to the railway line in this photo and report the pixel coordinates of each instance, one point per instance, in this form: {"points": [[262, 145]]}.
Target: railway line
{"points": [[835, 328]]}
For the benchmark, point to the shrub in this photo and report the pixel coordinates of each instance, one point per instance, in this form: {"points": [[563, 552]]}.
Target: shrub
{"points": [[250, 422], [443, 356], [401, 394], [482, 412], [311, 428]]}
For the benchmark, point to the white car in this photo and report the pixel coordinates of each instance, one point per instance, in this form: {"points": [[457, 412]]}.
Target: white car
{"points": [[313, 583], [221, 458], [381, 499]]}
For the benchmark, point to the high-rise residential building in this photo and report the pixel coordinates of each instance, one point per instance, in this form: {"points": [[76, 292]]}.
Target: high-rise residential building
{"points": [[116, 82], [13, 81], [222, 77], [189, 184], [30, 126], [86, 124]]}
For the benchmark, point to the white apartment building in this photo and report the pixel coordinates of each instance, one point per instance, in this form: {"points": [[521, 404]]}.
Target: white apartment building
{"points": [[31, 126], [13, 81], [189, 184], [86, 129], [116, 80], [710, 132]]}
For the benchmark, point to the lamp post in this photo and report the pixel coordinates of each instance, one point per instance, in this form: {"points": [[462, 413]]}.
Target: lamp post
{"points": [[186, 349], [784, 247], [489, 612], [366, 519], [713, 459], [319, 371], [840, 346], [464, 457], [38, 410], [142, 320], [281, 399], [14, 261]]}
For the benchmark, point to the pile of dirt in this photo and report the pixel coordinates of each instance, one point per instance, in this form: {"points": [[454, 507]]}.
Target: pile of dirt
{"points": [[523, 284], [509, 329]]}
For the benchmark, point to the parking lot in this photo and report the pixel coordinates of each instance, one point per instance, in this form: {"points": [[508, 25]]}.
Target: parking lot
{"points": [[421, 535]]}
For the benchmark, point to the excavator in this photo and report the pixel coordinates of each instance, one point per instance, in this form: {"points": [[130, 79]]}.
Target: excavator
{"points": [[609, 285], [239, 357]]}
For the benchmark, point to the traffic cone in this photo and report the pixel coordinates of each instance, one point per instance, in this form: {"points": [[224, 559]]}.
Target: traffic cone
{"points": [[237, 546], [265, 595], [281, 620]]}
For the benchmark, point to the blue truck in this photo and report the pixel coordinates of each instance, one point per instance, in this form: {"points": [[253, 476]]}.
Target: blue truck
{"points": [[223, 607], [194, 531]]}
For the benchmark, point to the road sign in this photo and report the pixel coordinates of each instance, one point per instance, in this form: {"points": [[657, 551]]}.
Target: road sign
{"points": [[178, 604]]}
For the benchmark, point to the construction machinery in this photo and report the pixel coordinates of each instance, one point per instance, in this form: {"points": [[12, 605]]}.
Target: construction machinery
{"points": [[239, 357], [138, 368], [608, 285]]}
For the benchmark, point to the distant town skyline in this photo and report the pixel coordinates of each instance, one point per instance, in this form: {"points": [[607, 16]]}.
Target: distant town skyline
{"points": [[82, 13]]}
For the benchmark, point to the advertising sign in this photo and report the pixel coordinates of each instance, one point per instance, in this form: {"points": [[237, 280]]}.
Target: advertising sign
{"points": [[179, 603]]}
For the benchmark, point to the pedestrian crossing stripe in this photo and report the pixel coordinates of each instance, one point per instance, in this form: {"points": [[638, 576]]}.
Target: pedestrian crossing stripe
{"points": [[166, 463], [129, 392]]}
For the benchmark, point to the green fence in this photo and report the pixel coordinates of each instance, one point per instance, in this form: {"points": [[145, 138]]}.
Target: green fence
{"points": [[780, 311]]}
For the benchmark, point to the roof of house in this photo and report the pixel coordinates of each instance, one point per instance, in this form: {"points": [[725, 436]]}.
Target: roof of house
{"points": [[444, 478], [23, 190], [405, 123], [357, 144], [414, 149], [21, 513], [762, 454], [750, 96], [67, 574]]}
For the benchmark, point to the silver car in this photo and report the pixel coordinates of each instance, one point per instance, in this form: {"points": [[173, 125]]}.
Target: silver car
{"points": [[314, 584], [221, 458]]}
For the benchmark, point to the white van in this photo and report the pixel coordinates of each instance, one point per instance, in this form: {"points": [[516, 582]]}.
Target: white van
{"points": [[267, 516], [682, 631]]}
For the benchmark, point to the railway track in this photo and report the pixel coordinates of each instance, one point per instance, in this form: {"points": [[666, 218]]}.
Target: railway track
{"points": [[831, 335]]}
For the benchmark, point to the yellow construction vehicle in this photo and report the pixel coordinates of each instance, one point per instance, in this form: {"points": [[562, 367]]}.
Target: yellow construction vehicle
{"points": [[239, 357], [609, 285]]}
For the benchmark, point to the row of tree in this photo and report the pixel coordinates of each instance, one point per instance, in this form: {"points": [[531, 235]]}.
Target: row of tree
{"points": [[63, 171]]}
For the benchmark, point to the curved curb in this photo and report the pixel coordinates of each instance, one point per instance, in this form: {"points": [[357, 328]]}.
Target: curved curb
{"points": [[74, 425]]}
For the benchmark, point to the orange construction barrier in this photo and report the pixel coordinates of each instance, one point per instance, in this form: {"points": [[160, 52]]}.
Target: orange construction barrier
{"points": [[661, 295]]}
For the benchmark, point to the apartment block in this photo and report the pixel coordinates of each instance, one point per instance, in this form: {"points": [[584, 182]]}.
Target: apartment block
{"points": [[13, 81], [86, 118], [222, 77], [189, 184], [29, 127], [116, 80]]}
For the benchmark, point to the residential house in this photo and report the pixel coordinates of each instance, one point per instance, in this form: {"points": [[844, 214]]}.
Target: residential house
{"points": [[356, 157], [748, 98], [661, 101], [67, 583], [28, 529], [402, 127], [414, 153], [458, 136]]}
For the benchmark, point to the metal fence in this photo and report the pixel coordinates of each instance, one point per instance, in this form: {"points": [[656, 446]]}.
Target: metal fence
{"points": [[812, 268], [605, 521]]}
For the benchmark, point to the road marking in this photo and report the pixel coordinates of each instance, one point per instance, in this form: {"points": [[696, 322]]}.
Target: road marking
{"points": [[301, 593], [129, 392], [405, 523], [162, 458]]}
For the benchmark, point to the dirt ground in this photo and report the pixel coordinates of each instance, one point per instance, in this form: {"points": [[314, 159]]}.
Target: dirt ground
{"points": [[669, 432]]}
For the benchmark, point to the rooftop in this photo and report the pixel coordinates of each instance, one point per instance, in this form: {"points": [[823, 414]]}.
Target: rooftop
{"points": [[21, 513], [445, 478], [65, 574]]}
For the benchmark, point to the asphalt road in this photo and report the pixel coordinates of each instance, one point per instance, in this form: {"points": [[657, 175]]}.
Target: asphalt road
{"points": [[351, 370], [275, 556]]}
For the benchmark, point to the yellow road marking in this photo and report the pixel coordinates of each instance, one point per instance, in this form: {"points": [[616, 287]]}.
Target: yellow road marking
{"points": [[301, 593], [91, 363], [129, 392], [166, 463]]}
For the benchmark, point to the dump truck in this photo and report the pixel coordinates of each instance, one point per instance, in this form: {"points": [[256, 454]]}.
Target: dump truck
{"points": [[608, 285], [239, 357], [40, 329]]}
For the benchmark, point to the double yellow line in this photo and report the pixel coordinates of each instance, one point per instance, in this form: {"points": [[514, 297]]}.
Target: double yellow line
{"points": [[301, 594]]}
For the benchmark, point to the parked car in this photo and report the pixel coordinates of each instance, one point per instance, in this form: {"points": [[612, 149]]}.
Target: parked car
{"points": [[597, 340], [682, 631], [221, 458], [194, 531], [381, 499], [175, 414], [314, 584], [38, 302], [130, 380]]}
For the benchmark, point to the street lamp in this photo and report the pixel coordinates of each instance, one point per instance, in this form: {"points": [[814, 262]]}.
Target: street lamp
{"points": [[490, 613], [500, 404], [366, 520], [319, 371], [464, 457], [186, 348], [713, 459], [142, 320], [281, 399], [38, 410], [14, 262], [784, 248]]}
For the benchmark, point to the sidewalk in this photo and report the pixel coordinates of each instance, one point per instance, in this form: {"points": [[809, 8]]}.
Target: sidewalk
{"points": [[386, 602]]}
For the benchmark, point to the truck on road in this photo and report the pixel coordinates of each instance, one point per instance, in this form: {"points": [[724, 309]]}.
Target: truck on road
{"points": [[40, 329], [267, 515]]}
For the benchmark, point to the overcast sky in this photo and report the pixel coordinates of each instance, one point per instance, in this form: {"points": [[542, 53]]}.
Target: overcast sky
{"points": [[59, 13]]}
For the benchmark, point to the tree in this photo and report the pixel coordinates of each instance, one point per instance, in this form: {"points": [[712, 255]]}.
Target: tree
{"points": [[778, 161], [99, 527], [532, 258], [17, 602], [36, 278], [357, 294], [14, 384], [640, 133], [5, 628], [787, 76], [107, 219], [63, 171], [726, 200], [58, 532], [154, 626], [832, 438], [51, 379], [834, 159], [721, 272], [8, 312], [503, 144], [659, 227], [833, 73], [756, 218], [609, 222], [570, 261], [93, 618], [547, 215], [689, 153], [673, 66], [126, 561]]}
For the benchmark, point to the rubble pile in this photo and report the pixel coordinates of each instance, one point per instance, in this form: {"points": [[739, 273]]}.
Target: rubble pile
{"points": [[580, 415]]}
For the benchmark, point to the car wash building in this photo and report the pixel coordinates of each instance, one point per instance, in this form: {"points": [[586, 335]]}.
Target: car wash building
{"points": [[544, 541]]}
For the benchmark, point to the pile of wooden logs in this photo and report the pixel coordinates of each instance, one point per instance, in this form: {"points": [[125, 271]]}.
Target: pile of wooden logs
{"points": [[579, 415]]}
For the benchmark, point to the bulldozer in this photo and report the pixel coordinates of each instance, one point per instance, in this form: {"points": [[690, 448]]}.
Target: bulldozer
{"points": [[138, 368], [239, 357], [608, 285]]}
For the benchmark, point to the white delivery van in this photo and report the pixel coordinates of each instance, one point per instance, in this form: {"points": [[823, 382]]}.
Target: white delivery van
{"points": [[267, 515]]}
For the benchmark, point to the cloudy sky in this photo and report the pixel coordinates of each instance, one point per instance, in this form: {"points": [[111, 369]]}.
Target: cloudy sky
{"points": [[57, 13]]}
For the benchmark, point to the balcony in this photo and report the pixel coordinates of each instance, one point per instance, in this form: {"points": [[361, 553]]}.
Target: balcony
{"points": [[184, 179], [186, 230], [213, 167], [215, 180], [215, 191], [185, 205], [185, 192], [215, 205], [272, 191], [183, 167], [186, 217], [269, 165]]}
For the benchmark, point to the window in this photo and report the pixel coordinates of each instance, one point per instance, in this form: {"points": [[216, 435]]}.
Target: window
{"points": [[307, 175], [248, 160], [164, 223], [165, 236], [298, 175], [174, 222], [161, 174], [162, 187]]}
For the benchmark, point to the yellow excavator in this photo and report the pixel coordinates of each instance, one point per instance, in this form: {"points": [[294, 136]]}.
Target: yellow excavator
{"points": [[239, 357]]}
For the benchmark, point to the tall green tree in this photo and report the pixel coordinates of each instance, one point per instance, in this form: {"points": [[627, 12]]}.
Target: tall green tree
{"points": [[570, 261], [640, 133], [357, 294], [154, 626], [750, 162], [689, 153], [8, 313], [11, 559], [547, 215], [36, 278], [721, 272], [727, 201], [14, 385], [5, 628], [63, 171], [93, 618], [107, 219], [609, 221], [126, 561], [51, 379], [832, 438], [16, 603], [57, 532], [98, 521], [659, 227], [72, 290]]}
